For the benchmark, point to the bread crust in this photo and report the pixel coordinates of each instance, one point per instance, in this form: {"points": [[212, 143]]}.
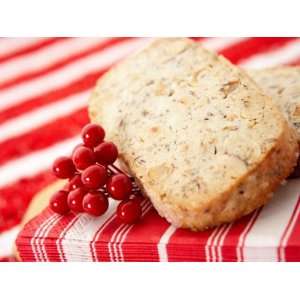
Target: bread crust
{"points": [[225, 203]]}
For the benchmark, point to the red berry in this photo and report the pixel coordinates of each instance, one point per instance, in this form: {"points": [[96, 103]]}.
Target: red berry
{"points": [[63, 167], [129, 211], [75, 199], [75, 182], [92, 135], [106, 153], [94, 176], [76, 147], [95, 203], [83, 157], [59, 203], [119, 186]]}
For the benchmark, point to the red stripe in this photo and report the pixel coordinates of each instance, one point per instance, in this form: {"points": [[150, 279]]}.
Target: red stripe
{"points": [[292, 217], [89, 80], [214, 256], [34, 47], [292, 248], [245, 233], [8, 259], [228, 249], [146, 235], [37, 243], [20, 78], [105, 240], [185, 241], [80, 85], [102, 245], [245, 49], [14, 198], [33, 141], [43, 136], [194, 243], [23, 241], [94, 240], [295, 62], [52, 242]]}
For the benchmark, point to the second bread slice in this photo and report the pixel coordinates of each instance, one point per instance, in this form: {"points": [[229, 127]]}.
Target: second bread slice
{"points": [[283, 85]]}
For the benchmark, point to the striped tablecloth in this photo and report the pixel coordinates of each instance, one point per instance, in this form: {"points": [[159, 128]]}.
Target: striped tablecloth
{"points": [[44, 87]]}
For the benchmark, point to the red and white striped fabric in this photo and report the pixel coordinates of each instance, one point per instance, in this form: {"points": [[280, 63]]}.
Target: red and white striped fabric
{"points": [[44, 86]]}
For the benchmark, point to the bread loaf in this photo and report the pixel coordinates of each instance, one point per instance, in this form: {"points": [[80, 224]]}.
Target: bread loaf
{"points": [[201, 138]]}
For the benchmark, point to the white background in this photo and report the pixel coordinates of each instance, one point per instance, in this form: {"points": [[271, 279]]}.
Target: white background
{"points": [[149, 281], [151, 18]]}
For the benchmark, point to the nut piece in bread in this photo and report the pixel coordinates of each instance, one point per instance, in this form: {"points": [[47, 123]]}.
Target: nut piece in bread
{"points": [[201, 138]]}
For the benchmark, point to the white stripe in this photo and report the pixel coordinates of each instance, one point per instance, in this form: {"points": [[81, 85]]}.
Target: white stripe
{"points": [[41, 242], [163, 242], [113, 254], [35, 162], [240, 249], [69, 73], [221, 242], [35, 242], [145, 208], [94, 253], [82, 232], [43, 115], [59, 240], [208, 243], [215, 241], [270, 224], [218, 44], [7, 240], [287, 235], [282, 55], [45, 57], [112, 244], [9, 45]]}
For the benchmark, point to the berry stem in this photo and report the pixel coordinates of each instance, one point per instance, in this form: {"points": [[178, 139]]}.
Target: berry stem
{"points": [[115, 169]]}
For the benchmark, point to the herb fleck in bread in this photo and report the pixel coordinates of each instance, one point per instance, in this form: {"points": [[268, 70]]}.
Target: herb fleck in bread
{"points": [[203, 141]]}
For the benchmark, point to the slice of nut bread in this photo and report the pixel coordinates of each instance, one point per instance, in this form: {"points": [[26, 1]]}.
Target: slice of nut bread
{"points": [[201, 138], [283, 85]]}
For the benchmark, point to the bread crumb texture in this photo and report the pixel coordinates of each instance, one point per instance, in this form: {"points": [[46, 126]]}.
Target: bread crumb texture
{"points": [[283, 84], [204, 142]]}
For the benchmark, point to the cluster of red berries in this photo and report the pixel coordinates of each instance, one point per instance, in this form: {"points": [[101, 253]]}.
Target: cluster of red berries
{"points": [[93, 178]]}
